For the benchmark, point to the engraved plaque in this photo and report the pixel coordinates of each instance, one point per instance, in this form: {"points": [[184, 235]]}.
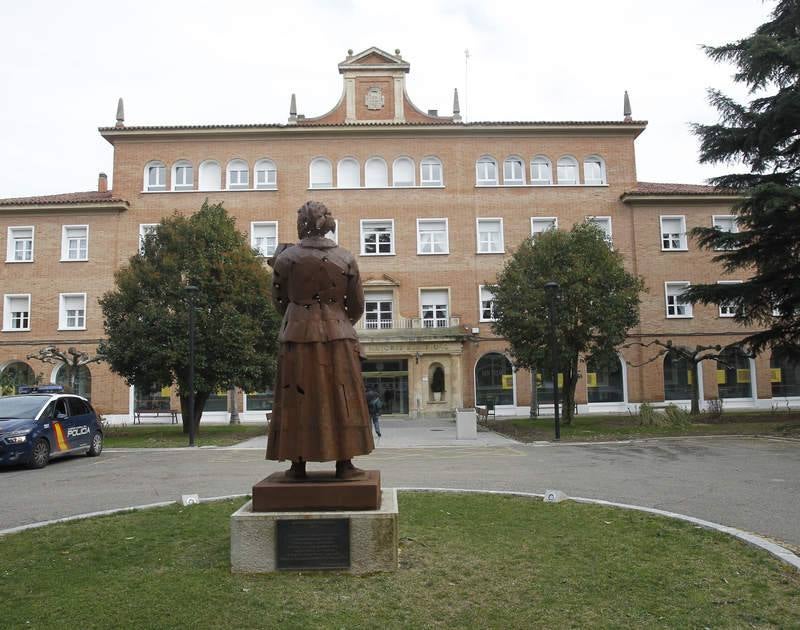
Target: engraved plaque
{"points": [[374, 98], [313, 544]]}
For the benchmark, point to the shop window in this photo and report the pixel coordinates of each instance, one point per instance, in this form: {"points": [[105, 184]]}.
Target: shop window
{"points": [[784, 375], [494, 380], [678, 377], [14, 375], [733, 374], [604, 380]]}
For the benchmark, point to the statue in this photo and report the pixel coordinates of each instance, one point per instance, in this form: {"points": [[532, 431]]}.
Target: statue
{"points": [[320, 412]]}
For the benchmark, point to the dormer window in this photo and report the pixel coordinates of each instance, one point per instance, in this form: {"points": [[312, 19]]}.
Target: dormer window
{"points": [[155, 177], [237, 176], [486, 171]]}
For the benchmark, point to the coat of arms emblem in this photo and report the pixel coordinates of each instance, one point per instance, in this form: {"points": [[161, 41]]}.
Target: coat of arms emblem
{"points": [[374, 98]]}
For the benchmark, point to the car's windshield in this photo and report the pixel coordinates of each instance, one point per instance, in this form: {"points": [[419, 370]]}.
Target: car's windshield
{"points": [[26, 407]]}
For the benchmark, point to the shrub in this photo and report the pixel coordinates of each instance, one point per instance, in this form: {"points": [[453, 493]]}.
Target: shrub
{"points": [[648, 416], [676, 416], [714, 408]]}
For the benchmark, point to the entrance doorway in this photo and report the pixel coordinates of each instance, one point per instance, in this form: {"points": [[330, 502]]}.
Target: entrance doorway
{"points": [[390, 379]]}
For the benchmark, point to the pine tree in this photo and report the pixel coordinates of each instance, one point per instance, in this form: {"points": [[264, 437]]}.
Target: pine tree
{"points": [[763, 134]]}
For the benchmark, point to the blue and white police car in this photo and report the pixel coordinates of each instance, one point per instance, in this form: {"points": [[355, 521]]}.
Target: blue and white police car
{"points": [[42, 422]]}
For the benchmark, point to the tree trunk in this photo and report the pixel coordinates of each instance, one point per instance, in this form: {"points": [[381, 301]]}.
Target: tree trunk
{"points": [[200, 399], [570, 382], [233, 404], [695, 388], [534, 395]]}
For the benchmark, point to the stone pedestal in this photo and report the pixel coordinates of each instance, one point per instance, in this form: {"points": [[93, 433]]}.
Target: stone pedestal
{"points": [[373, 537], [320, 491]]}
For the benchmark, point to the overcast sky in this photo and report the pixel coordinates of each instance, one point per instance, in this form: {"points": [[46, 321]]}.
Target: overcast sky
{"points": [[64, 64]]}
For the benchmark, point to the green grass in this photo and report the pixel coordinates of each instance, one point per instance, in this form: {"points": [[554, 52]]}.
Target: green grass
{"points": [[585, 428], [466, 561], [152, 436]]}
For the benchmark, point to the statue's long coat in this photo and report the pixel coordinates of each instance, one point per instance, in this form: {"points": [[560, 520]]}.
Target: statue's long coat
{"points": [[320, 412]]}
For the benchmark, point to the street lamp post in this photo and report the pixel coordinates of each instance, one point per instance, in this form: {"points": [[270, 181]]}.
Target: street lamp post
{"points": [[551, 290], [191, 292]]}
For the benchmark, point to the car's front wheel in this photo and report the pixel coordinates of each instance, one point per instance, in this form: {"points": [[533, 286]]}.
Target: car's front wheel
{"points": [[40, 455], [97, 445]]}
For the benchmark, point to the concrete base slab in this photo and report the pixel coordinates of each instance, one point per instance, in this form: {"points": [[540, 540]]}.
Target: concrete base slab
{"points": [[373, 536]]}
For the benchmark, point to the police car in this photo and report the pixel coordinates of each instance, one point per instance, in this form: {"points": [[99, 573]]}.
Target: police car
{"points": [[42, 422]]}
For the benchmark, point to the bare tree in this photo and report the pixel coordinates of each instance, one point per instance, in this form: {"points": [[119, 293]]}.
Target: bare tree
{"points": [[71, 359]]}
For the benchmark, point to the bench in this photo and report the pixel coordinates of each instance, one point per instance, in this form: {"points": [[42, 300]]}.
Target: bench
{"points": [[138, 413]]}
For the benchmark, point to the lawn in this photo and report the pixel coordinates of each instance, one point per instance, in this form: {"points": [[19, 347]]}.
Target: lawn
{"points": [[466, 561], [585, 428], [153, 436]]}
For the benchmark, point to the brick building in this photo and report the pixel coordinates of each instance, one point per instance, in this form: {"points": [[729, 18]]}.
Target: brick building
{"points": [[431, 205]]}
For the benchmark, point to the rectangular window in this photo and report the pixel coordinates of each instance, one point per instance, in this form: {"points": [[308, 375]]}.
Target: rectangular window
{"points": [[676, 306], [266, 177], [486, 304], [542, 224], [725, 223], [513, 173], [264, 237], [434, 306], [490, 236], [728, 309], [377, 237], [567, 173], [673, 233], [604, 223], [17, 312], [431, 173], [75, 242], [237, 178], [72, 311], [378, 310], [432, 236], [183, 178], [20, 244], [145, 230]]}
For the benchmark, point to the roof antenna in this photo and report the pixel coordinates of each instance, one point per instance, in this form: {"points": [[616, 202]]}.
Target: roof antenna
{"points": [[466, 93]]}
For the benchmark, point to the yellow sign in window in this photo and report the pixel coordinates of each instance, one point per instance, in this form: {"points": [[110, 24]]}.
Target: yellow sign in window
{"points": [[165, 392], [508, 381], [591, 379], [720, 377], [689, 377], [560, 379], [775, 375], [538, 379], [742, 376]]}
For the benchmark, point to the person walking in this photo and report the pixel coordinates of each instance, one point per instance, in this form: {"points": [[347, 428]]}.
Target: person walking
{"points": [[375, 405]]}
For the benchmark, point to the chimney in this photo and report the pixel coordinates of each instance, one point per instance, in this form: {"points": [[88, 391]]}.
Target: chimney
{"points": [[102, 183]]}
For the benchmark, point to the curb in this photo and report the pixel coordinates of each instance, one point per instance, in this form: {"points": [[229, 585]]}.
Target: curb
{"points": [[781, 553]]}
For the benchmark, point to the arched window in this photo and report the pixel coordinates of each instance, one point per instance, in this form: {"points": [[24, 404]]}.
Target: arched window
{"points": [[210, 177], [348, 174], [514, 171], [154, 398], [430, 172], [155, 176], [494, 380], [375, 173], [605, 381], [403, 172], [567, 170], [594, 171], [320, 173], [784, 375], [541, 171], [13, 375], [733, 374], [182, 175], [82, 380], [678, 377], [237, 175], [265, 175], [486, 171]]}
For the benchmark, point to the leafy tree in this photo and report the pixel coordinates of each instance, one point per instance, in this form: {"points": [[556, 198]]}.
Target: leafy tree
{"points": [[598, 301], [764, 135], [146, 315]]}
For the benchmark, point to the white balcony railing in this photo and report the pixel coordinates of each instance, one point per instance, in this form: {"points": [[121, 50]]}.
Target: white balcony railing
{"points": [[405, 323]]}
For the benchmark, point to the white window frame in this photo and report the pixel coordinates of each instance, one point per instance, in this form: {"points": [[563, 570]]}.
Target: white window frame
{"points": [[727, 310], [683, 242], [143, 230], [514, 181], [7, 311], [241, 167], [366, 223], [478, 222], [384, 176], [726, 217], [262, 165], [481, 288], [421, 222], [431, 162], [542, 159], [412, 183], [65, 244], [598, 220], [687, 314], [435, 319], [311, 182], [62, 311], [480, 180], [256, 224], [158, 186], [182, 164], [11, 242], [374, 297], [203, 174], [552, 220], [574, 163], [587, 181], [339, 172]]}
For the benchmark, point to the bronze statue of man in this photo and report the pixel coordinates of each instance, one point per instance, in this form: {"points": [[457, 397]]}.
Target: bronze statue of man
{"points": [[320, 412]]}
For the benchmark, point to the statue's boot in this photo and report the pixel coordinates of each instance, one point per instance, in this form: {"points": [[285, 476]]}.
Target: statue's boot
{"points": [[346, 470], [297, 470]]}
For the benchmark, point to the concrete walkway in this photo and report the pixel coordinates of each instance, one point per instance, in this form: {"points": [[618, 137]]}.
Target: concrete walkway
{"points": [[403, 433]]}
